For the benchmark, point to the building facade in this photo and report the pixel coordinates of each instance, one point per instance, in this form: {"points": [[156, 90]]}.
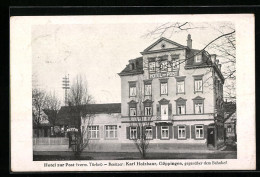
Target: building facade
{"points": [[177, 91]]}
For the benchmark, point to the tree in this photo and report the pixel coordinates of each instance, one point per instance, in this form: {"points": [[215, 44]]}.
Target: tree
{"points": [[223, 44], [52, 107], [141, 123], [38, 104], [79, 98]]}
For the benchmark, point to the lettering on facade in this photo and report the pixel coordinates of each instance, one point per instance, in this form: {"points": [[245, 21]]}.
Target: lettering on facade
{"points": [[164, 74]]}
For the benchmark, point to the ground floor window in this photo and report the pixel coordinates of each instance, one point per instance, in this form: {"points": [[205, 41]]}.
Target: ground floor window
{"points": [[165, 132], [133, 132], [93, 132], [199, 131], [181, 132], [111, 131], [148, 133]]}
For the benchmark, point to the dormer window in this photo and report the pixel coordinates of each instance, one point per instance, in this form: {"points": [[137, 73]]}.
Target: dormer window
{"points": [[198, 58], [132, 66]]}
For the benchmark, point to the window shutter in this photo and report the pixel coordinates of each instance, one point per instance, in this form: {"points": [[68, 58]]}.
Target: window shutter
{"points": [[170, 110], [159, 132], [175, 129], [128, 132], [170, 132], [101, 133], [158, 110], [143, 131], [192, 131], [138, 132], [154, 132], [187, 131], [205, 131]]}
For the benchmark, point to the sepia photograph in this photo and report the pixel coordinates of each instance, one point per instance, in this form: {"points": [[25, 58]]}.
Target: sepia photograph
{"points": [[125, 91]]}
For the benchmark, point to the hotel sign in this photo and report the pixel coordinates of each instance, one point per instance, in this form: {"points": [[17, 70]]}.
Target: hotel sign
{"points": [[163, 74]]}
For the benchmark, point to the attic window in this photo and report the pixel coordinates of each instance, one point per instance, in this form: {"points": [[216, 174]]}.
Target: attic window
{"points": [[198, 58], [132, 66]]}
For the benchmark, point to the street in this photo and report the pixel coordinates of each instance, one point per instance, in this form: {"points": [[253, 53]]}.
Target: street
{"points": [[53, 156]]}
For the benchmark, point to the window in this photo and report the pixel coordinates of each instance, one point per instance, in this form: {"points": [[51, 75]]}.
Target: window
{"points": [[175, 61], [152, 66], [180, 109], [164, 112], [198, 58], [199, 131], [181, 132], [132, 111], [229, 129], [180, 106], [180, 87], [148, 89], [165, 132], [164, 88], [198, 85], [164, 66], [93, 132], [132, 91], [198, 105], [132, 88], [111, 131], [148, 111], [148, 133], [133, 132], [198, 108]]}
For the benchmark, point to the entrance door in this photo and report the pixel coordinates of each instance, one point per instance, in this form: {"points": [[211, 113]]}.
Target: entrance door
{"points": [[164, 112], [211, 136]]}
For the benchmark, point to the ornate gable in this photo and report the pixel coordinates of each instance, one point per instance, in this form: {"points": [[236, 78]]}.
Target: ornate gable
{"points": [[181, 100], [164, 101], [162, 44], [198, 98]]}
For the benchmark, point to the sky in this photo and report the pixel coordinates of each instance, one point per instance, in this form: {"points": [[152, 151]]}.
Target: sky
{"points": [[97, 51]]}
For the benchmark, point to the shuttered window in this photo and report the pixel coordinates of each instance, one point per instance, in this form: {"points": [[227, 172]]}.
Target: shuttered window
{"points": [[133, 132], [181, 132], [199, 133], [165, 132]]}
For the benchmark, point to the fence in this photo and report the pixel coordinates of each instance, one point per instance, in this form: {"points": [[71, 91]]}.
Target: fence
{"points": [[51, 141]]}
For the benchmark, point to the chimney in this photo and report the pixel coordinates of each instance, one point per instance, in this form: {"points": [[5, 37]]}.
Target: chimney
{"points": [[189, 41], [213, 58]]}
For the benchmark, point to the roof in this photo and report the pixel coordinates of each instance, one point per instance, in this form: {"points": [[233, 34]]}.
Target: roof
{"points": [[137, 70], [190, 56], [231, 118], [206, 61], [163, 39], [191, 53], [229, 109], [67, 114], [93, 108]]}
